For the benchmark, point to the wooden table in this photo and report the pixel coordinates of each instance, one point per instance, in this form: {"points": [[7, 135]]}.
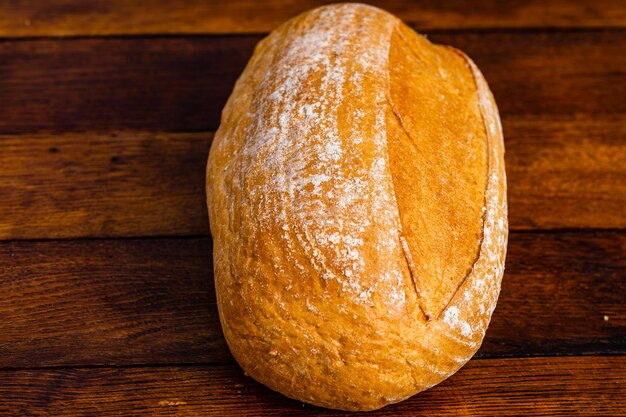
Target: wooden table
{"points": [[107, 110]]}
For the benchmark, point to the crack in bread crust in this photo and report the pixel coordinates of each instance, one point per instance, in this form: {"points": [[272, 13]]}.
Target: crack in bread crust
{"points": [[489, 167], [435, 288]]}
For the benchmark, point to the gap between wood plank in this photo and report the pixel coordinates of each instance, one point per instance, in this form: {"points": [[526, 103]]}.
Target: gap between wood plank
{"points": [[72, 17], [232, 362], [260, 35], [571, 230]]}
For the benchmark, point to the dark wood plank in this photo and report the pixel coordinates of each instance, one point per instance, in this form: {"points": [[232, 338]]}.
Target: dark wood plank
{"points": [[181, 84], [119, 302], [114, 17], [109, 184], [561, 174], [108, 302], [497, 387], [548, 73], [562, 294], [566, 173], [104, 84]]}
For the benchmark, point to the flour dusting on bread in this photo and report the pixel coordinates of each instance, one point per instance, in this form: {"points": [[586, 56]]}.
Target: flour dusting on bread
{"points": [[315, 294], [325, 209]]}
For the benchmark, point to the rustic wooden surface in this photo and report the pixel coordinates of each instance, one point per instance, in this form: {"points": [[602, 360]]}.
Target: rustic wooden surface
{"points": [[107, 304], [490, 387]]}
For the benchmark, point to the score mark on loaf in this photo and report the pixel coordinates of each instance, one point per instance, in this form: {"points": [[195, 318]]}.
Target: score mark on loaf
{"points": [[357, 202]]}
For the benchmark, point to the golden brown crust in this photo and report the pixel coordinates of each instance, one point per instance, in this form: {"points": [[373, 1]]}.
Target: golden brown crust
{"points": [[438, 160], [311, 211]]}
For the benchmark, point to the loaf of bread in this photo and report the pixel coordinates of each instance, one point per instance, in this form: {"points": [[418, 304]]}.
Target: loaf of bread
{"points": [[357, 201]]}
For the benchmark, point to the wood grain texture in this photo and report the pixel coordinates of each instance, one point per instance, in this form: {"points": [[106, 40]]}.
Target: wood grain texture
{"points": [[108, 302], [181, 84], [543, 386], [107, 184], [566, 173], [105, 84], [562, 293], [121, 17], [135, 301]]}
